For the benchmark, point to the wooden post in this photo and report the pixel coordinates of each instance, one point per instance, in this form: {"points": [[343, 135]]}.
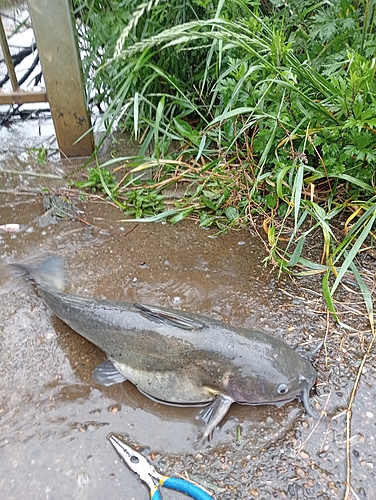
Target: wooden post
{"points": [[8, 57], [61, 65]]}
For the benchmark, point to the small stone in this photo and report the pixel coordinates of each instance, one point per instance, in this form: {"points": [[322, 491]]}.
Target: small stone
{"points": [[255, 493], [300, 472], [333, 487], [259, 472], [95, 412], [82, 479], [114, 409]]}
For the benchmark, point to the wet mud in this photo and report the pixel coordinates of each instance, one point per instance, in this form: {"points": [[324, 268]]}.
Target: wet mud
{"points": [[54, 419]]}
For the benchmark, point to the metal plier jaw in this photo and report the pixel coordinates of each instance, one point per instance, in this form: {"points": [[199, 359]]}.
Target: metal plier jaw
{"points": [[147, 473], [135, 461]]}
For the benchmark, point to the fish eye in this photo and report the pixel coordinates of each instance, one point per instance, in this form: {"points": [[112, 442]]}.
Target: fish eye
{"points": [[282, 389]]}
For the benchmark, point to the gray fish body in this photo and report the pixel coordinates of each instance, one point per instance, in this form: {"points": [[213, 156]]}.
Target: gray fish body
{"points": [[179, 357]]}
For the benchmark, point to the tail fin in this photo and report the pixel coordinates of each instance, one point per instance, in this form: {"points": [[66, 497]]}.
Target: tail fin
{"points": [[49, 272]]}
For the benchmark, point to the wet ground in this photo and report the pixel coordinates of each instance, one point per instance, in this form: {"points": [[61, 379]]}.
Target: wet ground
{"points": [[54, 419]]}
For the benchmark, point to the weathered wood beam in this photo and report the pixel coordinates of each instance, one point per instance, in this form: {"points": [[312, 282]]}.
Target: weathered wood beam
{"points": [[55, 34], [21, 97], [7, 56]]}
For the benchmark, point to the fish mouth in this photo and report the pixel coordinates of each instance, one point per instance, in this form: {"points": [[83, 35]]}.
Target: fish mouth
{"points": [[277, 402]]}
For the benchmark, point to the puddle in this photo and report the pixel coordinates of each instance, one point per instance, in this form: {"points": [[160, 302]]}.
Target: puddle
{"points": [[54, 419]]}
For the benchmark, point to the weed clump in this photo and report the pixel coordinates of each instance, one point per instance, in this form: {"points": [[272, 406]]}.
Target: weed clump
{"points": [[263, 109]]}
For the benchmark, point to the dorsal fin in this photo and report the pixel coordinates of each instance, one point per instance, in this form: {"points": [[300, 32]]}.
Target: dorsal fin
{"points": [[172, 318]]}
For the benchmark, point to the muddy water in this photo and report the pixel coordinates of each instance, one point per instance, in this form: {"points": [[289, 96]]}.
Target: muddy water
{"points": [[54, 419]]}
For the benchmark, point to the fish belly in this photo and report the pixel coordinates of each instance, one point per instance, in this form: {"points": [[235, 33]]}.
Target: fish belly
{"points": [[168, 386]]}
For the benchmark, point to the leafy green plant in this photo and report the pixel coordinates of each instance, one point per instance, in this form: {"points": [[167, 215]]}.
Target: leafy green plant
{"points": [[99, 180], [144, 202], [39, 153], [261, 110]]}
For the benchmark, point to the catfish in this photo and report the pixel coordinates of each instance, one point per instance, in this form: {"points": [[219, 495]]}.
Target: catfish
{"points": [[177, 357]]}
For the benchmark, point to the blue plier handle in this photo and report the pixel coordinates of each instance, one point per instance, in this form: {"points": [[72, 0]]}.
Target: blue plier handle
{"points": [[147, 473]]}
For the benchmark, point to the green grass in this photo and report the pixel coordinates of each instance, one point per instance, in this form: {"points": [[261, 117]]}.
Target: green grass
{"points": [[261, 109]]}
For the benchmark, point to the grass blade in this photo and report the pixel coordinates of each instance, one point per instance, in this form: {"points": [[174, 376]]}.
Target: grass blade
{"points": [[295, 257], [354, 251], [367, 296], [297, 193], [328, 296]]}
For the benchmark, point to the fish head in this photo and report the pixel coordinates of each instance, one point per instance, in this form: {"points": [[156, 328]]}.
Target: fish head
{"points": [[274, 379]]}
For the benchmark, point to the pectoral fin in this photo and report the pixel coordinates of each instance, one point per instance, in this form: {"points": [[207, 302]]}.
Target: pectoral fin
{"points": [[106, 374], [213, 415], [169, 318]]}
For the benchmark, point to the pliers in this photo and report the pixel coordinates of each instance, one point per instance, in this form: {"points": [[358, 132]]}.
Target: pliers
{"points": [[147, 473]]}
